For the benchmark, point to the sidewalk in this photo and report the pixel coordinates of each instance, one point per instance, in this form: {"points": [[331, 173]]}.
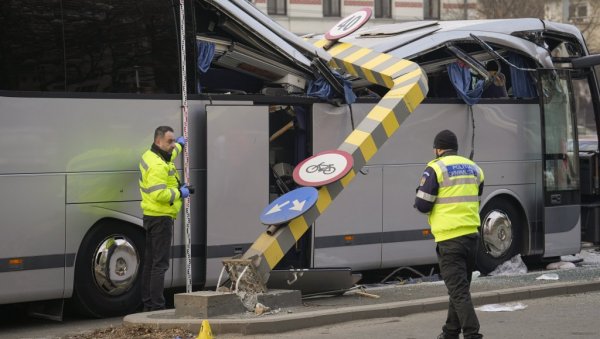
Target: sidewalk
{"points": [[395, 300]]}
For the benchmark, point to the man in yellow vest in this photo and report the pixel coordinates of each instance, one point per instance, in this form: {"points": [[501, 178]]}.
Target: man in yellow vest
{"points": [[162, 193], [449, 193]]}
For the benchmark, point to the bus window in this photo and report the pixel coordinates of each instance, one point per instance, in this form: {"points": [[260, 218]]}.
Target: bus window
{"points": [[121, 47], [31, 48], [586, 123], [560, 166]]}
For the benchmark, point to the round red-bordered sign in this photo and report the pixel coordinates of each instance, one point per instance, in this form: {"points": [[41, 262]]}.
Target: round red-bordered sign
{"points": [[349, 24], [323, 168]]}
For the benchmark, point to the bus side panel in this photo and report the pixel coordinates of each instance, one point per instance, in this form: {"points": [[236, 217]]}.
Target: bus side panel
{"points": [[563, 230], [404, 242], [33, 229], [357, 211], [237, 177]]}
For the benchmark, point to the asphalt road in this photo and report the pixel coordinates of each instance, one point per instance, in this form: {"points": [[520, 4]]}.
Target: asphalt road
{"points": [[561, 317], [15, 324]]}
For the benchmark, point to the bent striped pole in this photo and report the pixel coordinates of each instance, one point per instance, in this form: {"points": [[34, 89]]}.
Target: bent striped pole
{"points": [[407, 84]]}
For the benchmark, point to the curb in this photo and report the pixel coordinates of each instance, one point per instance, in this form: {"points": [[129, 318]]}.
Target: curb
{"points": [[300, 320]]}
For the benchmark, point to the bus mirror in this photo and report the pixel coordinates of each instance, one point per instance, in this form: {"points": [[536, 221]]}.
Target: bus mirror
{"points": [[586, 61]]}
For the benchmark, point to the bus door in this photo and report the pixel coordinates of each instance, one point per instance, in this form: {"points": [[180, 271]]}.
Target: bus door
{"points": [[560, 164], [237, 182]]}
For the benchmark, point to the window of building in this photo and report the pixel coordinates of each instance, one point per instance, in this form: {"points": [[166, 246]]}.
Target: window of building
{"points": [[383, 8], [31, 46], [578, 12], [431, 9], [331, 8], [276, 7], [121, 47]]}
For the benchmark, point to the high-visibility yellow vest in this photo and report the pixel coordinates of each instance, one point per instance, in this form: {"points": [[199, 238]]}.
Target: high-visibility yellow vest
{"points": [[159, 184], [456, 208]]}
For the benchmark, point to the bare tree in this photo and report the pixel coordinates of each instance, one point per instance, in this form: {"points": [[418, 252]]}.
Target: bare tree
{"points": [[587, 20], [502, 9]]}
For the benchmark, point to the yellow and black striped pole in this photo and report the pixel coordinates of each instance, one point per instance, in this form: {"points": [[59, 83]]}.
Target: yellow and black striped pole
{"points": [[408, 86]]}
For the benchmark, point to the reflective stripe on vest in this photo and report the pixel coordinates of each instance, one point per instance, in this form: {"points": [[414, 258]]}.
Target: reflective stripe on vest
{"points": [[426, 196]]}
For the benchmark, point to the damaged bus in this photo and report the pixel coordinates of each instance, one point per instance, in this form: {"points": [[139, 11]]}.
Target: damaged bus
{"points": [[84, 84]]}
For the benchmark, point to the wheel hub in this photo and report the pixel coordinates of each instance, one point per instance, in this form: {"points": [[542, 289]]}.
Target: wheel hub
{"points": [[497, 233], [116, 264]]}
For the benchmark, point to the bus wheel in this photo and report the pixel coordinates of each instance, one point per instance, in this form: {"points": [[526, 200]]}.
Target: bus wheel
{"points": [[108, 270], [500, 235]]}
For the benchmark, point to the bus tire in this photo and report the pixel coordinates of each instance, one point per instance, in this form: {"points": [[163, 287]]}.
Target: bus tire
{"points": [[500, 234], [108, 270]]}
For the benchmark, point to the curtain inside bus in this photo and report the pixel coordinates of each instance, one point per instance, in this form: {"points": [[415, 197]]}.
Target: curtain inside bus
{"points": [[461, 79], [522, 82]]}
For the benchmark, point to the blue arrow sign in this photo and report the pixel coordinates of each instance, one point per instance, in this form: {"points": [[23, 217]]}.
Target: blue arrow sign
{"points": [[289, 206]]}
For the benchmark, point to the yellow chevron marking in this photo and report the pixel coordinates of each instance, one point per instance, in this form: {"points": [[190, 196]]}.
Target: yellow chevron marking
{"points": [[347, 178], [417, 73], [393, 69], [387, 117], [273, 254], [368, 69], [324, 199], [411, 93], [414, 97], [349, 68], [378, 60], [298, 226], [321, 43], [370, 77], [364, 141], [263, 242], [337, 49], [356, 55]]}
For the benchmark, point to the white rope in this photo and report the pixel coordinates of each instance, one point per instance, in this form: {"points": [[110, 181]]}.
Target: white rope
{"points": [[220, 277], [237, 283], [186, 155]]}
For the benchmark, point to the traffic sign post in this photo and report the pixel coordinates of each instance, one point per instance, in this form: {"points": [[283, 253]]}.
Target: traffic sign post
{"points": [[323, 168]]}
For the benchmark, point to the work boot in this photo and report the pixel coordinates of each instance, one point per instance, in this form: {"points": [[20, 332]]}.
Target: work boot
{"points": [[447, 336]]}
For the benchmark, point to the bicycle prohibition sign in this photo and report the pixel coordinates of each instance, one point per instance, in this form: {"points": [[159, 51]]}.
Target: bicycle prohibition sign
{"points": [[323, 168]]}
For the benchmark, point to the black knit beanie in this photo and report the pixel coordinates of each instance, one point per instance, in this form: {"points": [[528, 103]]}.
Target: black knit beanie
{"points": [[445, 140]]}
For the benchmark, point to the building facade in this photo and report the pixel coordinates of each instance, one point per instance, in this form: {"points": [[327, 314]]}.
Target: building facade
{"points": [[318, 16], [581, 13]]}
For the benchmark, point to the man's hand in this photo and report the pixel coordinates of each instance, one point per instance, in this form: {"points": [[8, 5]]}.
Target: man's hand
{"points": [[181, 140], [185, 192]]}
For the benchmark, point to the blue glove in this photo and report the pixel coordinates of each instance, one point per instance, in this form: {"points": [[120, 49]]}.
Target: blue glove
{"points": [[185, 192], [181, 141]]}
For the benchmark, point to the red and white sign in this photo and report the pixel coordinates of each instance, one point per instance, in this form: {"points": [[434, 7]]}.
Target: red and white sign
{"points": [[323, 168], [349, 24]]}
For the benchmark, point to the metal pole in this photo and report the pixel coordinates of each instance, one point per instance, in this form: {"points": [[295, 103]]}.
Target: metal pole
{"points": [[466, 9], [186, 155]]}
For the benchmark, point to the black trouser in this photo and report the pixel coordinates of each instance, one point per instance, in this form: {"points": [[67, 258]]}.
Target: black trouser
{"points": [[159, 231], [457, 261]]}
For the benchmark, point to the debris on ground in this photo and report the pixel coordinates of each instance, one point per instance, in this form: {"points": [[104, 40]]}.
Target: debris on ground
{"points": [[508, 307], [514, 266], [260, 309], [548, 276], [560, 265], [135, 332]]}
